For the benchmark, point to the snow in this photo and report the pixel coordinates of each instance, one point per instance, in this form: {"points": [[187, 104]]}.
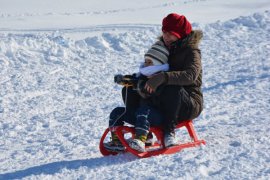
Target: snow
{"points": [[56, 88]]}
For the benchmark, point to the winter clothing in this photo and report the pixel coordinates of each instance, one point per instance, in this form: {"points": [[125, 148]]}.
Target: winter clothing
{"points": [[169, 140], [133, 98], [150, 70], [149, 140], [177, 25], [158, 53], [182, 97], [186, 70], [137, 144], [140, 88], [156, 80], [142, 118], [175, 105], [114, 146], [155, 83]]}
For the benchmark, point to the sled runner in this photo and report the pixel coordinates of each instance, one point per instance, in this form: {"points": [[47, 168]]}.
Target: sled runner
{"points": [[158, 147]]}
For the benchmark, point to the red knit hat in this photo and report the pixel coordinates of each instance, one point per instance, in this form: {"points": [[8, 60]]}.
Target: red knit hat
{"points": [[176, 24]]}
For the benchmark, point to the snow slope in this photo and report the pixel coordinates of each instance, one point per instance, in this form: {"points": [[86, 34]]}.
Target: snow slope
{"points": [[61, 14], [57, 90]]}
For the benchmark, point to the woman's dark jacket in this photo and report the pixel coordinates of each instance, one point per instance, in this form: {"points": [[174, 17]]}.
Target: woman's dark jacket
{"points": [[186, 69]]}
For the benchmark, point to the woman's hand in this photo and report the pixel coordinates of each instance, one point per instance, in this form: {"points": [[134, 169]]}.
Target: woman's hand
{"points": [[155, 81], [148, 89]]}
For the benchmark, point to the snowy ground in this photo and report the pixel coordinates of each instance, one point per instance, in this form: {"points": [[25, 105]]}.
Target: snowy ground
{"points": [[57, 90]]}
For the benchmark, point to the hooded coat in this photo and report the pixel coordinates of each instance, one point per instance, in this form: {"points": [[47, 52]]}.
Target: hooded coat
{"points": [[186, 72]]}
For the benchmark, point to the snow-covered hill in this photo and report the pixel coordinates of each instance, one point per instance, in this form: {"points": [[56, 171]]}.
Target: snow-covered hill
{"points": [[60, 14], [57, 90]]}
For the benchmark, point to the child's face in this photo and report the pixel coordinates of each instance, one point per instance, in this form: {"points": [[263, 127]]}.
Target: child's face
{"points": [[148, 62]]}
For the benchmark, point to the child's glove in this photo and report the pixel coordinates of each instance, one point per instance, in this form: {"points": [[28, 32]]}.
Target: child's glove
{"points": [[155, 81], [125, 80]]}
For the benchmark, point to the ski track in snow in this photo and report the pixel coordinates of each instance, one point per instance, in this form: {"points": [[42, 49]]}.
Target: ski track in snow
{"points": [[56, 94], [113, 11]]}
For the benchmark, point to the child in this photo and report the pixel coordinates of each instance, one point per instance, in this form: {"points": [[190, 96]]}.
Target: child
{"points": [[155, 60], [146, 115]]}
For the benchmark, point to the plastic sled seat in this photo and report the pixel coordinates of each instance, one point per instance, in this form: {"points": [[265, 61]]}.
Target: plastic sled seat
{"points": [[158, 147]]}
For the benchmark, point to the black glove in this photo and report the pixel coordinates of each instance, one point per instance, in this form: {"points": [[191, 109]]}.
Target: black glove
{"points": [[118, 78], [126, 80]]}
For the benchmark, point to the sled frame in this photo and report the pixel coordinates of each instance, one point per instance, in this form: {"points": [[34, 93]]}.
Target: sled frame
{"points": [[158, 147]]}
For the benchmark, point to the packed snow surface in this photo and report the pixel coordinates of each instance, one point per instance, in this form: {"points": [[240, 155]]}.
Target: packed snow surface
{"points": [[57, 90]]}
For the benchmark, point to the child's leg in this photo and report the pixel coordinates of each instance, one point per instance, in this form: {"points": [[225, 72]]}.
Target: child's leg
{"points": [[119, 115], [146, 116], [117, 118], [131, 98]]}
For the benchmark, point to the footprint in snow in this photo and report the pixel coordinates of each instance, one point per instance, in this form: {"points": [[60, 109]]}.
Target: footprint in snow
{"points": [[235, 144]]}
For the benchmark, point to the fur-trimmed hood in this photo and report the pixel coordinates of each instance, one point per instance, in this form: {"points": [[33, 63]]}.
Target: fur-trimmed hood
{"points": [[192, 40]]}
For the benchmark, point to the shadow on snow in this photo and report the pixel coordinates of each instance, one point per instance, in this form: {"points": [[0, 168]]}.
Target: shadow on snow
{"points": [[56, 167], [235, 82]]}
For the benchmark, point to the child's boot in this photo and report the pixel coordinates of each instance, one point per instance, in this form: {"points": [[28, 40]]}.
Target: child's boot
{"points": [[138, 143], [115, 145]]}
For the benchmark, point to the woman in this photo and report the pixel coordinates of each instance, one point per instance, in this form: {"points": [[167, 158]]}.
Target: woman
{"points": [[182, 97]]}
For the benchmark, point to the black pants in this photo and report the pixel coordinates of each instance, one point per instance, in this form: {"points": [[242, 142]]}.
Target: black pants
{"points": [[133, 98], [175, 105]]}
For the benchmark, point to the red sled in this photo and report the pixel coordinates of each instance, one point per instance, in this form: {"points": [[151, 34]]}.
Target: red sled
{"points": [[158, 147]]}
